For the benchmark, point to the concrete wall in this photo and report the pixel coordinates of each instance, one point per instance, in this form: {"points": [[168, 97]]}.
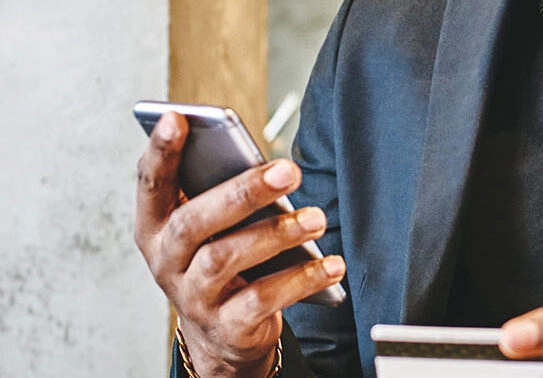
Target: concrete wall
{"points": [[76, 299]]}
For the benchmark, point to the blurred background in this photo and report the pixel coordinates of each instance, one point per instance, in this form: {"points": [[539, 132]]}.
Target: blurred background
{"points": [[76, 299]]}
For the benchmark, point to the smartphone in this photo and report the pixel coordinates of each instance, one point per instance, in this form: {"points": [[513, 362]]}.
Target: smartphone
{"points": [[445, 352], [218, 148]]}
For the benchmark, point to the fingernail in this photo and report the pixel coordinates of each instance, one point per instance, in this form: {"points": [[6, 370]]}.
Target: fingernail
{"points": [[521, 336], [279, 175], [311, 219], [334, 266]]}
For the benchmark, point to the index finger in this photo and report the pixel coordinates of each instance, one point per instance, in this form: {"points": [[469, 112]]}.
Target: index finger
{"points": [[158, 190]]}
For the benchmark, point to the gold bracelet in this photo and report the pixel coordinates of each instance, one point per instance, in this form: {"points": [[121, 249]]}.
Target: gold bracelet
{"points": [[187, 361], [189, 366], [278, 364]]}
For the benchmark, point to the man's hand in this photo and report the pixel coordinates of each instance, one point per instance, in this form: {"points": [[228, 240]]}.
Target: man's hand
{"points": [[522, 336], [230, 326]]}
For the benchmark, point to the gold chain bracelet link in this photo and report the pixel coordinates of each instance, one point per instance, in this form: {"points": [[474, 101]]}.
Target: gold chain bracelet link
{"points": [[189, 366]]}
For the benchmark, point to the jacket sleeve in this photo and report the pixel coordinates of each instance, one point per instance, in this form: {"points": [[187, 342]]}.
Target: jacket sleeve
{"points": [[176, 369], [327, 335], [294, 363]]}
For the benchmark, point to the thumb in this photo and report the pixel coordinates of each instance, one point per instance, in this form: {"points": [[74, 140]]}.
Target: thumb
{"points": [[522, 337]]}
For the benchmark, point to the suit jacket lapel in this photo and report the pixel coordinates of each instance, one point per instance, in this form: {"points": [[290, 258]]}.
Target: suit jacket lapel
{"points": [[458, 97]]}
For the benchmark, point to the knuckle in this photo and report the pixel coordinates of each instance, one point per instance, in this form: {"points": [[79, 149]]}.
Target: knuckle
{"points": [[181, 225], [280, 229], [242, 194], [278, 224], [146, 180], [285, 230], [212, 259], [286, 226], [313, 274], [166, 150], [254, 302]]}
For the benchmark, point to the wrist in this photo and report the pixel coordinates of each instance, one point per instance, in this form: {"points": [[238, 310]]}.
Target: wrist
{"points": [[201, 363]]}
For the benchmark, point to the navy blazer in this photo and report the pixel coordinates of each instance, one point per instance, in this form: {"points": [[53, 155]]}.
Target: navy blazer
{"points": [[390, 125]]}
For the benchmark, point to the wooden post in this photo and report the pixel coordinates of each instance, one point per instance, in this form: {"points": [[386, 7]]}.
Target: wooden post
{"points": [[218, 56]]}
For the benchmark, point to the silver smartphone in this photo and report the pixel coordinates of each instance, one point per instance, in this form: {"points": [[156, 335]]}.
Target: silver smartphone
{"points": [[218, 148]]}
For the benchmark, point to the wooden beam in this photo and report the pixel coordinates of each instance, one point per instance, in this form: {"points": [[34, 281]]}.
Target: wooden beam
{"points": [[218, 56]]}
